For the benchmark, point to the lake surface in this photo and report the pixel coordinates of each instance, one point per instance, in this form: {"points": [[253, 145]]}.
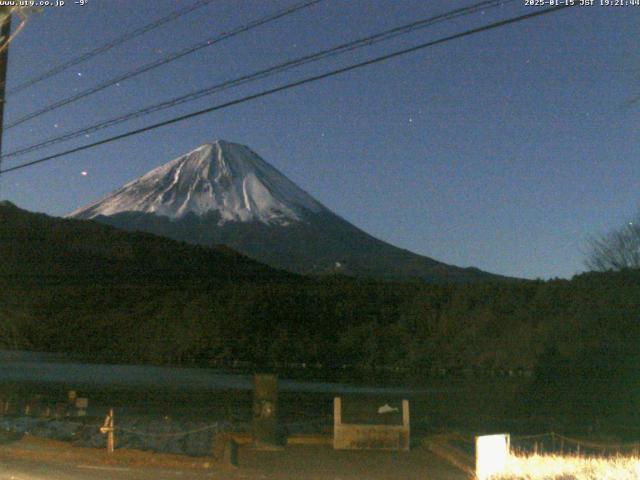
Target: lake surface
{"points": [[34, 367]]}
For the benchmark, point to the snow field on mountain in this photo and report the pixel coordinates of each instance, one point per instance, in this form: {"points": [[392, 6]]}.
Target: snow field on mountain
{"points": [[225, 178]]}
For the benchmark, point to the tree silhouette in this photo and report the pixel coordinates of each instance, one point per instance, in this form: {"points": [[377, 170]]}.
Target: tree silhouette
{"points": [[616, 250]]}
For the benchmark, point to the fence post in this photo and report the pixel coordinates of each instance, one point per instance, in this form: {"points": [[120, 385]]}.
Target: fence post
{"points": [[337, 411], [108, 428], [405, 444]]}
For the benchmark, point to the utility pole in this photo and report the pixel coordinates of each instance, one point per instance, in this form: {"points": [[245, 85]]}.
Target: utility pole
{"points": [[5, 34]]}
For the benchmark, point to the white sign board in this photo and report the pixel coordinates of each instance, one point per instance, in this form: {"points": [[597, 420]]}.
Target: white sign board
{"points": [[492, 452]]}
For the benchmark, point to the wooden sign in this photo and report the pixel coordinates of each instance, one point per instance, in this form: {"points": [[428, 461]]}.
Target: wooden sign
{"points": [[368, 426], [265, 418]]}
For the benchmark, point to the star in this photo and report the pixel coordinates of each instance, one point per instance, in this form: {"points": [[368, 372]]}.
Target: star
{"points": [[79, 74]]}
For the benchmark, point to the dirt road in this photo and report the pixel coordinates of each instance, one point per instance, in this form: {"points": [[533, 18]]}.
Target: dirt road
{"points": [[38, 459], [11, 469]]}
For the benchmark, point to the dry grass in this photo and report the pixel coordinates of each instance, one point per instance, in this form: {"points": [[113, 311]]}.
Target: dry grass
{"points": [[564, 467]]}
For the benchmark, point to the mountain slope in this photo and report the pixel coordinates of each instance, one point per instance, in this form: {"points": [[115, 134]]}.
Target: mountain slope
{"points": [[224, 193]]}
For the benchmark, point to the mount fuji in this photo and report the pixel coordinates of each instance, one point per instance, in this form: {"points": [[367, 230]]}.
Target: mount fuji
{"points": [[224, 193]]}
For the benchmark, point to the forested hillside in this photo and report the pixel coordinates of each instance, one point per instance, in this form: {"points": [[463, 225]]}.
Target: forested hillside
{"points": [[87, 288]]}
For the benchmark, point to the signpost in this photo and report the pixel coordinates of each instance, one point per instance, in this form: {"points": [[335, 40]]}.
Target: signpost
{"points": [[265, 419]]}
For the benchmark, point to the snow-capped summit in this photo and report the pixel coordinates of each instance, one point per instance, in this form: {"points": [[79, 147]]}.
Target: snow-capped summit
{"points": [[221, 177], [225, 194]]}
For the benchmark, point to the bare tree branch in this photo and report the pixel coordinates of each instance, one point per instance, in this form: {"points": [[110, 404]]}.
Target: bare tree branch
{"points": [[616, 250]]}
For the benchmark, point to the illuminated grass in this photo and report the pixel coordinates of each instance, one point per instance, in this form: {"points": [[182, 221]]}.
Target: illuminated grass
{"points": [[565, 467]]}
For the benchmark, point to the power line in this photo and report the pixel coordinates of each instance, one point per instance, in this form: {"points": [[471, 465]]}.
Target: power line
{"points": [[163, 61], [108, 46], [261, 74], [288, 86]]}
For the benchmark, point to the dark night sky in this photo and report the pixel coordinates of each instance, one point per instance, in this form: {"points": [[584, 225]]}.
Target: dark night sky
{"points": [[504, 150]]}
